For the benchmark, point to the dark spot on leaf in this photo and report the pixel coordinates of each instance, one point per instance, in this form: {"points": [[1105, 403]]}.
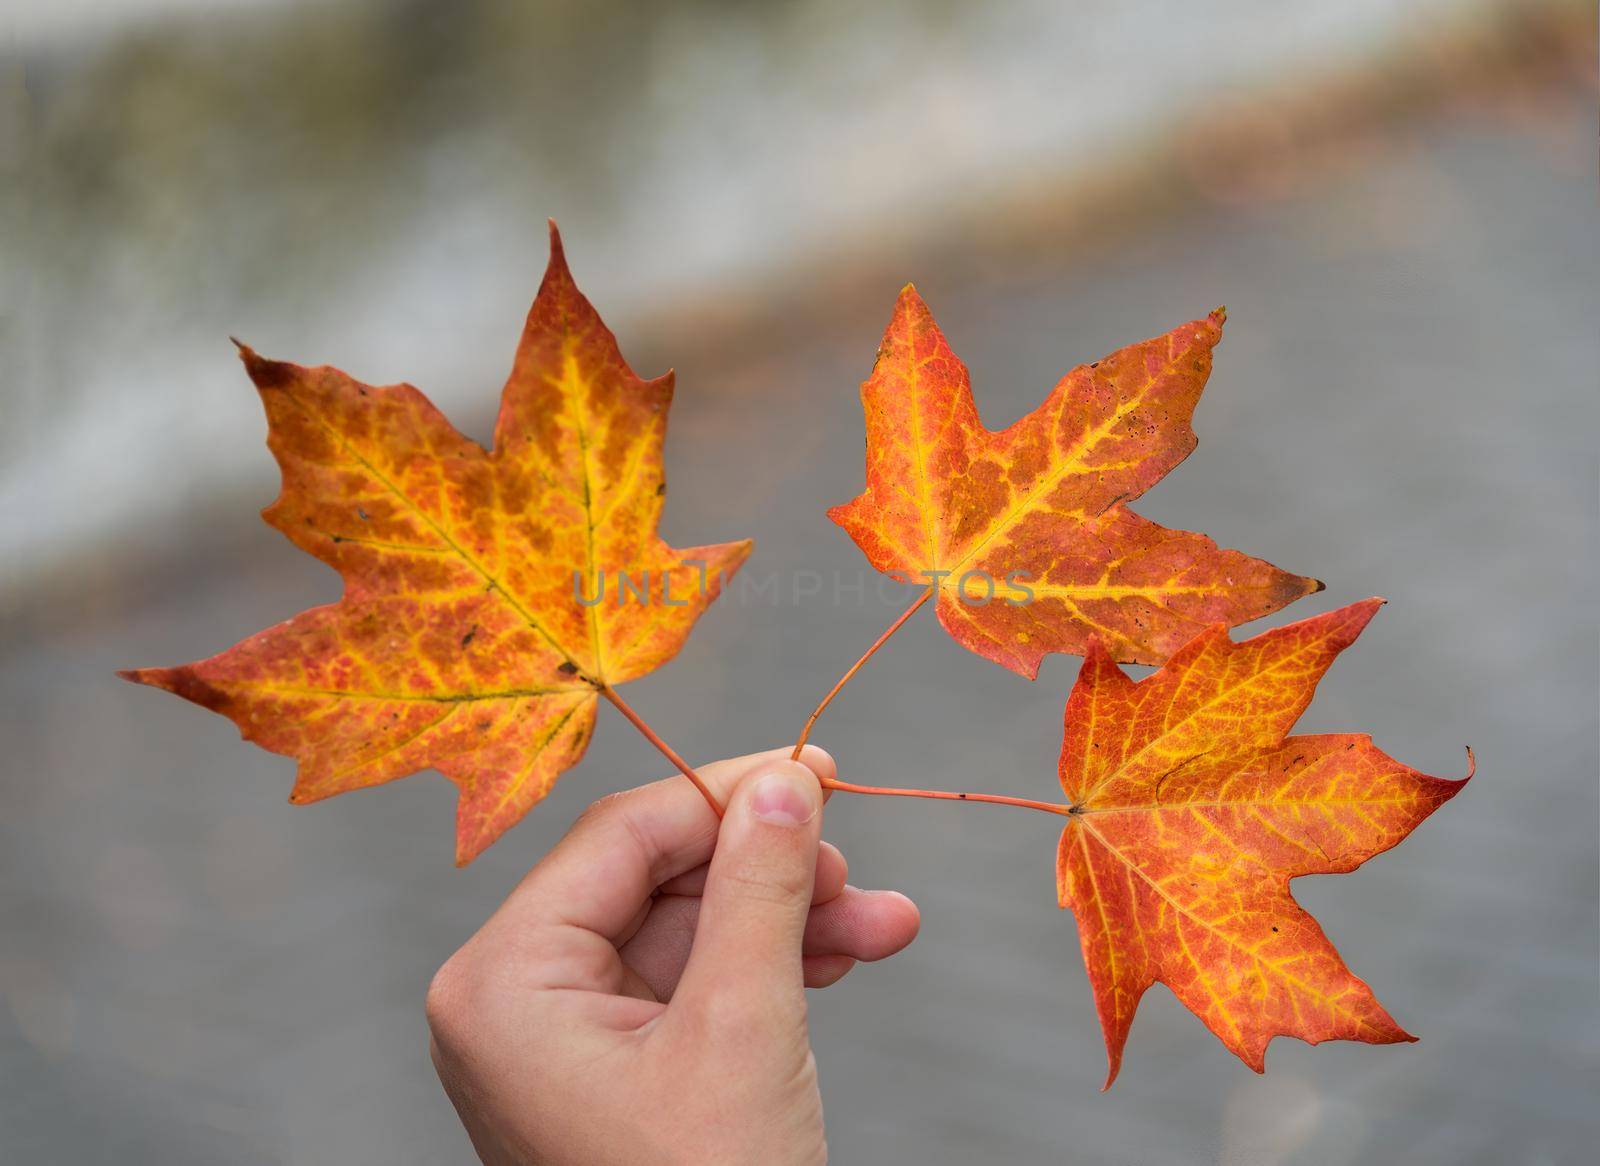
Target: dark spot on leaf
{"points": [[568, 668], [471, 632]]}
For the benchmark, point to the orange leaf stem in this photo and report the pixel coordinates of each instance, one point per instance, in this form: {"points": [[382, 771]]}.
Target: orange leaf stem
{"points": [[947, 796], [805, 733], [667, 751]]}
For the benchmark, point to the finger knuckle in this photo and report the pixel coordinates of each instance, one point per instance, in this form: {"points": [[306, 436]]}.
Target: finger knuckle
{"points": [[602, 808], [449, 1000], [773, 885]]}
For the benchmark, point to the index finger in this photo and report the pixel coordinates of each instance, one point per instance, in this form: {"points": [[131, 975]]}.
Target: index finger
{"points": [[628, 844]]}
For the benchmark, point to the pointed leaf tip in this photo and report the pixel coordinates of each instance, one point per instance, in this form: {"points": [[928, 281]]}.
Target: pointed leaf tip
{"points": [[266, 373], [911, 298], [248, 356], [556, 268]]}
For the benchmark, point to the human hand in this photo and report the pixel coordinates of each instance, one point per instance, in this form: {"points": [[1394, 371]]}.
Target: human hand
{"points": [[639, 998]]}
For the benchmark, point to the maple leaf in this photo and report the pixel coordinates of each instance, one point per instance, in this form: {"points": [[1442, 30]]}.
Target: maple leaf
{"points": [[1025, 533], [1190, 811], [461, 643]]}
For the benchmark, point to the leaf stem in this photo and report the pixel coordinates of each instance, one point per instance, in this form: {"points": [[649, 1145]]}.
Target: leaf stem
{"points": [[949, 796], [805, 733], [667, 751]]}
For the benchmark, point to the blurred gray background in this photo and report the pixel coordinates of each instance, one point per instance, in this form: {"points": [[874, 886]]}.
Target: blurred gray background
{"points": [[1396, 203]]}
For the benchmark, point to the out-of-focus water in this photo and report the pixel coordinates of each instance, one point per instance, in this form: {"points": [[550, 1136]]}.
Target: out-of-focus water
{"points": [[1404, 404], [357, 179]]}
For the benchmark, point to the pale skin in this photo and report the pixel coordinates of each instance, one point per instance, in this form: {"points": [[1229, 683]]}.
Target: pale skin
{"points": [[640, 997]]}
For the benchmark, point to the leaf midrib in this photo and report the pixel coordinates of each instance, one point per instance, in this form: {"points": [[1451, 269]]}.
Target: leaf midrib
{"points": [[932, 544], [1247, 804], [576, 399], [419, 698]]}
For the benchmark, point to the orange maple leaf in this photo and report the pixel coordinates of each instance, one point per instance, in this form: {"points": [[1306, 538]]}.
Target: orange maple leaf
{"points": [[468, 639], [1025, 534], [1190, 811]]}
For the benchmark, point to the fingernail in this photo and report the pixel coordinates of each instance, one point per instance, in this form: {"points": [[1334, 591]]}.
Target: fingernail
{"points": [[783, 799]]}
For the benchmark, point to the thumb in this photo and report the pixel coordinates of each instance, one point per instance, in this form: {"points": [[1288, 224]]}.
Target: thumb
{"points": [[745, 962]]}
